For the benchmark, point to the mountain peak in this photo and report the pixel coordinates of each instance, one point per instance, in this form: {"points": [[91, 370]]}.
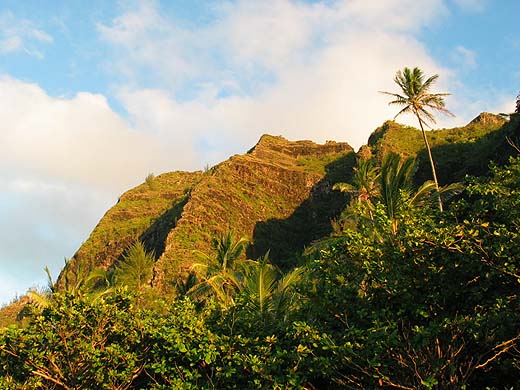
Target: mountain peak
{"points": [[271, 195], [488, 119], [271, 146]]}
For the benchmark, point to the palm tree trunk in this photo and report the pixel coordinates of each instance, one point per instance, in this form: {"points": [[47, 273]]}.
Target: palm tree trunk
{"points": [[431, 162]]}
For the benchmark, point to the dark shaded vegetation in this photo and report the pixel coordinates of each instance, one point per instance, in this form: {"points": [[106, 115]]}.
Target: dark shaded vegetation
{"points": [[457, 152], [154, 238], [285, 238], [476, 146]]}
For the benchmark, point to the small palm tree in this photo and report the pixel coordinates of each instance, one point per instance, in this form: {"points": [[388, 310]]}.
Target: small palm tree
{"points": [[93, 284], [416, 99], [135, 270], [220, 273], [364, 186], [184, 285], [268, 294], [395, 185]]}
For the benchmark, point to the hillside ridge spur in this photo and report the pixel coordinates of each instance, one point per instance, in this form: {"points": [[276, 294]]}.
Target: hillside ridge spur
{"points": [[276, 187]]}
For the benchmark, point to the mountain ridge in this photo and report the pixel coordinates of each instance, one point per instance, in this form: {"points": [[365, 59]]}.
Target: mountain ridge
{"points": [[294, 206], [278, 188], [247, 193]]}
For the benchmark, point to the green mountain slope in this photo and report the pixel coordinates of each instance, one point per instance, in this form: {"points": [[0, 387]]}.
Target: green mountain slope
{"points": [[145, 213], [457, 152], [278, 195]]}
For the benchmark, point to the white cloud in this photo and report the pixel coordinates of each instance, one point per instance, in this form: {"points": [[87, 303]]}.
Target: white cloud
{"points": [[248, 42], [292, 68], [21, 34], [78, 140], [63, 163]]}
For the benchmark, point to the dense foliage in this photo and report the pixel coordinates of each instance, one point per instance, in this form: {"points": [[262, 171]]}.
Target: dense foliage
{"points": [[403, 296], [434, 304]]}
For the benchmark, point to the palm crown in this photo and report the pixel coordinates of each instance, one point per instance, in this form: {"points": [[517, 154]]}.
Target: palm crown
{"points": [[415, 96]]}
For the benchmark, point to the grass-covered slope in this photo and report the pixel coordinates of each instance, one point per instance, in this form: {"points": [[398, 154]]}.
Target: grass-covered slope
{"points": [[457, 152], [146, 212], [271, 195], [278, 195]]}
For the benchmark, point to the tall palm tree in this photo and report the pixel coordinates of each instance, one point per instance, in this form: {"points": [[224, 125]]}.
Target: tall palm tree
{"points": [[416, 99]]}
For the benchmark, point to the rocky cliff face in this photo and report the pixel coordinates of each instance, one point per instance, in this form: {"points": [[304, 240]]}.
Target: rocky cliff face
{"points": [[278, 195]]}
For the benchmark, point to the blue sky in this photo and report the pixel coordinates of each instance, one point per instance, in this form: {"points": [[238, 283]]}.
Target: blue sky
{"points": [[95, 95]]}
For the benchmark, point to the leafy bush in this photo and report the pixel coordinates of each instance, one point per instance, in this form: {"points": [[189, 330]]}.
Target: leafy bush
{"points": [[434, 306]]}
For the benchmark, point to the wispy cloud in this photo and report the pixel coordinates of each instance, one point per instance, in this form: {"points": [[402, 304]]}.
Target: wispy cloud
{"points": [[472, 5], [21, 35]]}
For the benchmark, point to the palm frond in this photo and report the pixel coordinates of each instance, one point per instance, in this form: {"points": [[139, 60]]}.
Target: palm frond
{"points": [[451, 190], [39, 298], [50, 282], [415, 96], [344, 187], [405, 110], [428, 83], [423, 193], [425, 116]]}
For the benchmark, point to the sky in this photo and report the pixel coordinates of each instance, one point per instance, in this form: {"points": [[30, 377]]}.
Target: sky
{"points": [[95, 95]]}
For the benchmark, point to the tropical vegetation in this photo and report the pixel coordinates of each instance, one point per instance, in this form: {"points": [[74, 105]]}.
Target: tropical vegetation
{"points": [[401, 295]]}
